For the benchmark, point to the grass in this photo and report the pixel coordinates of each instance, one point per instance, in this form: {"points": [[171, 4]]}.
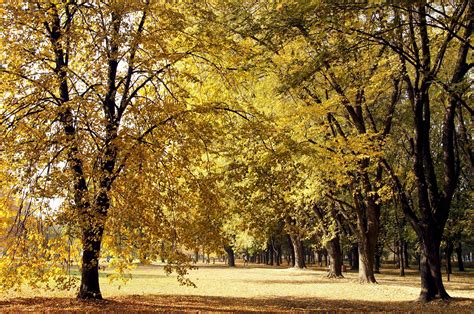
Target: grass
{"points": [[251, 289]]}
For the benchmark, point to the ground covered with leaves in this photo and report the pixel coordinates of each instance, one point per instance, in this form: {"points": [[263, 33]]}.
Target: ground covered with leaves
{"points": [[250, 289]]}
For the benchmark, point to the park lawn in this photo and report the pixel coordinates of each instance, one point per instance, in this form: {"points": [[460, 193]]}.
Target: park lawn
{"points": [[250, 289]]}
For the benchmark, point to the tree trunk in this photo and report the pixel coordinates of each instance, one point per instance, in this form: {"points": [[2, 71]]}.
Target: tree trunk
{"points": [[459, 255], [89, 288], [334, 249], [298, 251], [230, 255], [292, 252], [406, 256], [430, 268], [367, 258], [401, 262], [270, 253], [196, 256]]}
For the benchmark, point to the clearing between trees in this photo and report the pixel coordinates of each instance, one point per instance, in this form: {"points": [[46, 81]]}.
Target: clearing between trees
{"points": [[251, 289]]}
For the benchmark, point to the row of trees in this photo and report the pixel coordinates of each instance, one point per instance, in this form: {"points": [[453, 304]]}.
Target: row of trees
{"points": [[144, 127]]}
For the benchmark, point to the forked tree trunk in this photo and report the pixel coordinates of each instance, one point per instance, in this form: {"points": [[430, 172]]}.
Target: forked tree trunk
{"points": [[430, 270], [334, 249], [230, 255], [368, 219]]}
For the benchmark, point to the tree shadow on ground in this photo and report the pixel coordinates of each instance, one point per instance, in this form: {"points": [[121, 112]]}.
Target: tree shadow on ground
{"points": [[166, 303]]}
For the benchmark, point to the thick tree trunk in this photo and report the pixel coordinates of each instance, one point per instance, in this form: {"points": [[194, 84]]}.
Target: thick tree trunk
{"points": [[366, 267], [334, 249], [230, 255], [459, 256], [89, 288], [430, 268], [298, 251], [367, 243]]}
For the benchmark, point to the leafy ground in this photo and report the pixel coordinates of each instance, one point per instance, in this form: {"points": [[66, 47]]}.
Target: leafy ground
{"points": [[251, 289]]}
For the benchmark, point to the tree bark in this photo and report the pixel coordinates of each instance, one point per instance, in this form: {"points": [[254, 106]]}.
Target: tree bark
{"points": [[298, 251], [230, 255], [430, 270], [89, 288], [366, 263], [334, 249], [406, 256], [368, 228], [368, 220]]}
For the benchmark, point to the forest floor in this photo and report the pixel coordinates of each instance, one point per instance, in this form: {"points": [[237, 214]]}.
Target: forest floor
{"points": [[247, 289]]}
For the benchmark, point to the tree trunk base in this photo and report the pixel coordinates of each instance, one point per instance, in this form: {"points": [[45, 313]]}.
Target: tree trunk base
{"points": [[333, 275], [368, 281], [89, 295], [426, 297]]}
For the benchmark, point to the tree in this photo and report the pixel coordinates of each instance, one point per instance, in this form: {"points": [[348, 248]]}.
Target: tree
{"points": [[92, 101], [424, 36]]}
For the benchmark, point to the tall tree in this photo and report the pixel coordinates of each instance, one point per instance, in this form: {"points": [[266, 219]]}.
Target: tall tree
{"points": [[425, 35], [94, 98]]}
